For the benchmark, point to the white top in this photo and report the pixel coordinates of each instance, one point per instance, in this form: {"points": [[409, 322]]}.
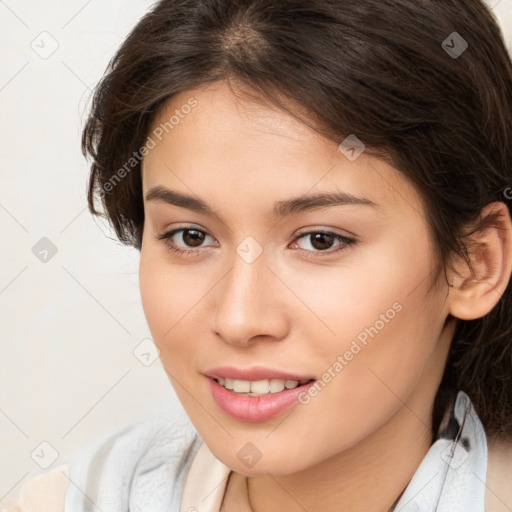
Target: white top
{"points": [[450, 478], [160, 466]]}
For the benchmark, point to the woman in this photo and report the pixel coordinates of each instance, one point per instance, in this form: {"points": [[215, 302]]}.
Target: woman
{"points": [[321, 196]]}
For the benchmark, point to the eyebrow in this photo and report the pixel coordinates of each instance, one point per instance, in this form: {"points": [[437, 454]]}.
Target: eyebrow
{"points": [[281, 208]]}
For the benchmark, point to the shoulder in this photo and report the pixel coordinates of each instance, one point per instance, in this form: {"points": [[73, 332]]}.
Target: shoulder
{"points": [[145, 461], [128, 464], [43, 493], [146, 442], [498, 492]]}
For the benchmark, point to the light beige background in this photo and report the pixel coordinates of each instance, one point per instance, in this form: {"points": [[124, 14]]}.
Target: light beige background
{"points": [[68, 372]]}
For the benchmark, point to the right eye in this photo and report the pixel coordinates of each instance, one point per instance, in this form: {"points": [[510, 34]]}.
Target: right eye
{"points": [[192, 236]]}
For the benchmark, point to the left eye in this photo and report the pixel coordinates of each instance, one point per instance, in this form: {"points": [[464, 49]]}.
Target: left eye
{"points": [[321, 240]]}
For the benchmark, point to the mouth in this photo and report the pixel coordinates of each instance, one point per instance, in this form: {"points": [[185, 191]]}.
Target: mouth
{"points": [[257, 400], [262, 387]]}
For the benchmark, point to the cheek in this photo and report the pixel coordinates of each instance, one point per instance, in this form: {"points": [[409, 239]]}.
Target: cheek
{"points": [[163, 295], [372, 293], [163, 288], [388, 347], [172, 297], [153, 296], [365, 383], [386, 327]]}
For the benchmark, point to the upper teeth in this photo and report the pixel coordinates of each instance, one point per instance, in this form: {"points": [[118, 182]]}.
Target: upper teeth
{"points": [[259, 387]]}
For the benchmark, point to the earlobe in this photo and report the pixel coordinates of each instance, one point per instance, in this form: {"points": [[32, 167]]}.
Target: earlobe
{"points": [[472, 296]]}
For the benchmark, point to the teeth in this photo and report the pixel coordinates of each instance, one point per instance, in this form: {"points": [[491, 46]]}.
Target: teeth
{"points": [[259, 387], [290, 384], [263, 386], [241, 386], [276, 385]]}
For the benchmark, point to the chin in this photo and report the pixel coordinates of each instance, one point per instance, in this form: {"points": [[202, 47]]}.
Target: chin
{"points": [[277, 462]]}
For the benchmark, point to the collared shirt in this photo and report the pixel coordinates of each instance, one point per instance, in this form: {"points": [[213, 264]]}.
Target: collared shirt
{"points": [[164, 466], [450, 478]]}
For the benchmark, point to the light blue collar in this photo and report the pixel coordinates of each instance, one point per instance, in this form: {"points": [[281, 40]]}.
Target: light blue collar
{"points": [[452, 475], [144, 467]]}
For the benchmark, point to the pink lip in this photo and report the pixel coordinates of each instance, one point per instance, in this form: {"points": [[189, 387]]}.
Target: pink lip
{"points": [[254, 373], [255, 408]]}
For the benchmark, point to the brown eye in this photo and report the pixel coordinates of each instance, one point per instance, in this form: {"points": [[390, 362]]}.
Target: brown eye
{"points": [[321, 241], [193, 237], [184, 241]]}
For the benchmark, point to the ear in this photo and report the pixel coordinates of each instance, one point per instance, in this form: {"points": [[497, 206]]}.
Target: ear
{"points": [[490, 251]]}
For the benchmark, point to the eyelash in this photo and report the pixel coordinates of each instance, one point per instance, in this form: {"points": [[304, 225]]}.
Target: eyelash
{"points": [[347, 242]]}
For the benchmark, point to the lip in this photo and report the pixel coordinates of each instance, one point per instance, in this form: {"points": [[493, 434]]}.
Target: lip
{"points": [[253, 373], [256, 408]]}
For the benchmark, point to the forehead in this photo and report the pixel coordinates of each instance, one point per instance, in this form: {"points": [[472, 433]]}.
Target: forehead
{"points": [[221, 111], [213, 140]]}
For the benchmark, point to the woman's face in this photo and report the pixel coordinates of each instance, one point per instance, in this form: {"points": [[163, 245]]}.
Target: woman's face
{"points": [[261, 288]]}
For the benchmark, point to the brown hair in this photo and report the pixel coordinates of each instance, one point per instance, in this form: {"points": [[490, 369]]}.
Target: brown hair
{"points": [[396, 73]]}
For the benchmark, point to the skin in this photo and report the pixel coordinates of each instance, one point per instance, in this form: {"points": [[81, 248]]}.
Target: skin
{"points": [[357, 443]]}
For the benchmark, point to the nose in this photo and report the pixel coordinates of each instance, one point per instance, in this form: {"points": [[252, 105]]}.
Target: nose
{"points": [[250, 303]]}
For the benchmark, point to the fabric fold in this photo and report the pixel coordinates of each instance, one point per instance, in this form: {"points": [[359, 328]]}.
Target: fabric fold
{"points": [[164, 466]]}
